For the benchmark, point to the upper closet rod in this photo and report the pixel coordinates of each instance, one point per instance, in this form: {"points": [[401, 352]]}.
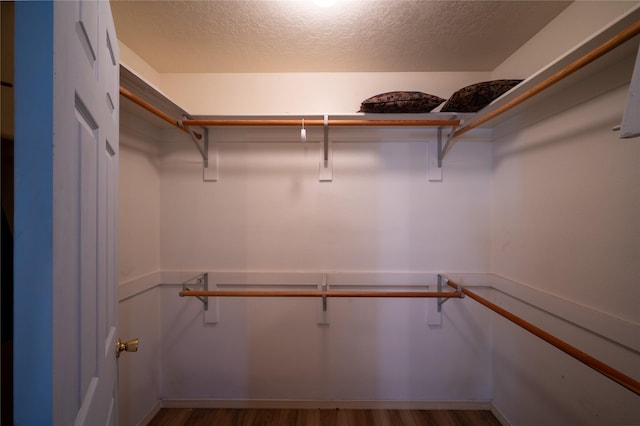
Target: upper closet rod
{"points": [[615, 41], [610, 372], [332, 122]]}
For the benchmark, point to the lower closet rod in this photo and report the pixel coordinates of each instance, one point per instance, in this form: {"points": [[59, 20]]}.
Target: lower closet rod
{"points": [[318, 293], [608, 371]]}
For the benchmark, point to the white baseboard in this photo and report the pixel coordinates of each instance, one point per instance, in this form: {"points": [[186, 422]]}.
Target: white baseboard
{"points": [[498, 415], [150, 414], [326, 404]]}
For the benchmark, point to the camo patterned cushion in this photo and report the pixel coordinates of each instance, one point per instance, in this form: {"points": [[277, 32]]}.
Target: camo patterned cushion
{"points": [[477, 96], [401, 102]]}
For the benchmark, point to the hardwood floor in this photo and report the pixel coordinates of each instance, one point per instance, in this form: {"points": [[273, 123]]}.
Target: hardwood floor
{"points": [[277, 417]]}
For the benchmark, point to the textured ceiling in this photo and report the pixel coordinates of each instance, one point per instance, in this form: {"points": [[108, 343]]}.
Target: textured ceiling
{"points": [[351, 36]]}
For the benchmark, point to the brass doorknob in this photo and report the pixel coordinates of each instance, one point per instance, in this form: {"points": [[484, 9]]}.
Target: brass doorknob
{"points": [[129, 346]]}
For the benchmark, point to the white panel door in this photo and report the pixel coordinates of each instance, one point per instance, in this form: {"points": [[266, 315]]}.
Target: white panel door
{"points": [[85, 170]]}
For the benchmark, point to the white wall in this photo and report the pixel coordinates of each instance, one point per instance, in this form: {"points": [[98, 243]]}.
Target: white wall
{"points": [[139, 260], [570, 185], [566, 198], [269, 212], [139, 218], [139, 66]]}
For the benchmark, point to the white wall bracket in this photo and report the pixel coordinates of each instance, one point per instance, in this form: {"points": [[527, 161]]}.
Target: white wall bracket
{"points": [[442, 300], [210, 167], [323, 310], [199, 140], [435, 154], [443, 148], [207, 148], [212, 310], [210, 306], [433, 314], [326, 160], [202, 279], [434, 171]]}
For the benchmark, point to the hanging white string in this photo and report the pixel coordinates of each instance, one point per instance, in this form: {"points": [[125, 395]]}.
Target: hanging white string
{"points": [[303, 132]]}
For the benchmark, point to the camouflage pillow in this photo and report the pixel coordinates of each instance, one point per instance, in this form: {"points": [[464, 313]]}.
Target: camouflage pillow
{"points": [[400, 102], [477, 96]]}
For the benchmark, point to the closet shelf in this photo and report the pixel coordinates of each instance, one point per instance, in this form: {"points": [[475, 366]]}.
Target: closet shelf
{"points": [[584, 60]]}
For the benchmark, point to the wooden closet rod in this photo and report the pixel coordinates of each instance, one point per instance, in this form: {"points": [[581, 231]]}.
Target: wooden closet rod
{"points": [[331, 122], [146, 105], [318, 293], [615, 41], [615, 375]]}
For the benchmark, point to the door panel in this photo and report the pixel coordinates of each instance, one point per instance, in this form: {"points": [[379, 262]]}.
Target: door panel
{"points": [[87, 28], [86, 167], [110, 256], [88, 243]]}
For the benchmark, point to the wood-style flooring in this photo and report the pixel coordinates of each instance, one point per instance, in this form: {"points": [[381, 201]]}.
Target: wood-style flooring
{"points": [[324, 417]]}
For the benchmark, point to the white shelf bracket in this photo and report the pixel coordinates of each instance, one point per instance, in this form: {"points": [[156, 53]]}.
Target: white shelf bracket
{"points": [[210, 306], [210, 167], [443, 148], [434, 170], [323, 309], [200, 145], [442, 300], [435, 154], [434, 314], [326, 160], [211, 314]]}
